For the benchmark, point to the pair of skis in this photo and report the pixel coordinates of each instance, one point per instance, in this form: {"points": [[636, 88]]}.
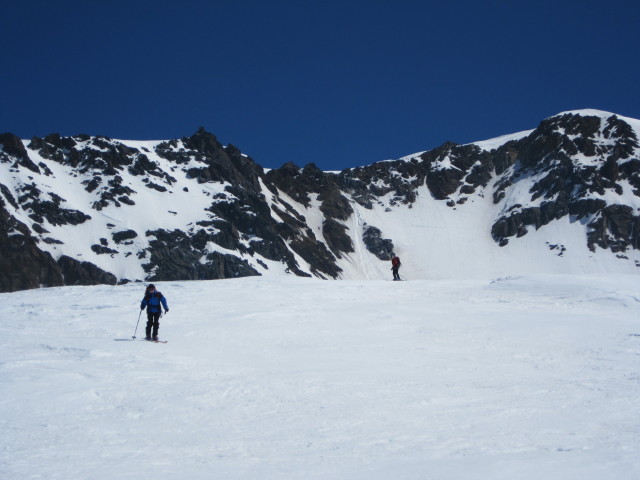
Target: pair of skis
{"points": [[145, 339]]}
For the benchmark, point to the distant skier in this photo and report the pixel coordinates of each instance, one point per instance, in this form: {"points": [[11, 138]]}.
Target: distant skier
{"points": [[395, 266], [153, 300]]}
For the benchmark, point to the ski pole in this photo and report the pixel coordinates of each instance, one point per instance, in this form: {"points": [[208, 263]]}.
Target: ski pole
{"points": [[134, 333]]}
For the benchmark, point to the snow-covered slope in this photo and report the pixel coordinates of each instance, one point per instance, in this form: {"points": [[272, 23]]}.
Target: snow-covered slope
{"points": [[518, 377], [563, 197]]}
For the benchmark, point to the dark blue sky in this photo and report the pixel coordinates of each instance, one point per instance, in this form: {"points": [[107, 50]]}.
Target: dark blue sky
{"points": [[338, 83]]}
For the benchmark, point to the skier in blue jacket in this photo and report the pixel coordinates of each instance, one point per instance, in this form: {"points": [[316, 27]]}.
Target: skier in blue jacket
{"points": [[153, 300]]}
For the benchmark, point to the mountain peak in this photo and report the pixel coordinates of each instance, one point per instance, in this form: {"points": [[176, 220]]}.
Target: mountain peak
{"points": [[585, 112], [563, 197]]}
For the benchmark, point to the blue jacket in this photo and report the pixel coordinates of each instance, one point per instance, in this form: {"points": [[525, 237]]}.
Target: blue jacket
{"points": [[153, 303]]}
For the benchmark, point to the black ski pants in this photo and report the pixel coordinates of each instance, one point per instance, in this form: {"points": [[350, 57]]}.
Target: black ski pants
{"points": [[396, 275], [153, 322]]}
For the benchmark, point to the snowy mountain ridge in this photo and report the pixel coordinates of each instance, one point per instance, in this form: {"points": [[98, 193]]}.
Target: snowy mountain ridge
{"points": [[561, 198]]}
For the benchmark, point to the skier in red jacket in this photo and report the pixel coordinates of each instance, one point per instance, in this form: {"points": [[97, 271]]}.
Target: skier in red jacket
{"points": [[395, 266]]}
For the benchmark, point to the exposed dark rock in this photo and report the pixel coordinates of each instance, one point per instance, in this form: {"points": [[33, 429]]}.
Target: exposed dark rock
{"points": [[155, 186], [7, 195], [14, 149], [616, 228], [380, 247], [84, 273], [102, 250], [113, 193], [587, 207], [334, 204], [336, 237], [289, 179], [46, 170], [201, 174], [173, 257], [92, 184], [221, 265], [123, 235], [291, 221], [317, 255], [22, 264], [52, 241], [39, 229], [49, 209], [143, 166], [12, 145], [226, 164]]}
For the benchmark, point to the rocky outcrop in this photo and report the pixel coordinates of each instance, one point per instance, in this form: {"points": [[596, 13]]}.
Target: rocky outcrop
{"points": [[380, 247], [178, 256], [570, 163], [124, 236], [13, 151], [84, 273], [22, 264]]}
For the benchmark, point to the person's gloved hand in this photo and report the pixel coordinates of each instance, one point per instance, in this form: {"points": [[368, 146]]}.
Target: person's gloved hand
{"points": [[166, 311]]}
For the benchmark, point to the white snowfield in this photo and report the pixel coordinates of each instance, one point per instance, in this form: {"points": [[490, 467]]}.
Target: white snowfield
{"points": [[521, 377]]}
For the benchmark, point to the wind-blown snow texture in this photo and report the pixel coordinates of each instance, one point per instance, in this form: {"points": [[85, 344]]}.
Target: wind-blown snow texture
{"points": [[562, 198], [517, 377]]}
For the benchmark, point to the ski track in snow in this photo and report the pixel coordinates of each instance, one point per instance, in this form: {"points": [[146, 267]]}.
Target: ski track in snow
{"points": [[518, 377]]}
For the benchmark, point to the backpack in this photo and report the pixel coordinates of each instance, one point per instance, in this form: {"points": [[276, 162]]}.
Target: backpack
{"points": [[148, 295], [395, 261]]}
